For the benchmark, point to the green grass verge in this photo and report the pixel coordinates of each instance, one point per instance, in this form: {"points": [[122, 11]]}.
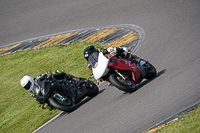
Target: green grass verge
{"points": [[18, 110], [189, 123]]}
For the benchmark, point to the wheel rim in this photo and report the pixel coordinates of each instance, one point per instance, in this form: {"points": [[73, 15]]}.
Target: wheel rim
{"points": [[125, 82], [68, 102]]}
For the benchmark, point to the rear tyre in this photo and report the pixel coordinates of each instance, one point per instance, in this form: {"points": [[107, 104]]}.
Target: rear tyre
{"points": [[56, 104], [150, 71], [127, 86]]}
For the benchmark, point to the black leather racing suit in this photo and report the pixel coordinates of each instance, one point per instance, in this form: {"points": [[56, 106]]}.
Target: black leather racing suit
{"points": [[41, 82]]}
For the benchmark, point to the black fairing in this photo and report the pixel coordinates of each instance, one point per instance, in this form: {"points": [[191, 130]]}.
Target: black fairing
{"points": [[45, 87]]}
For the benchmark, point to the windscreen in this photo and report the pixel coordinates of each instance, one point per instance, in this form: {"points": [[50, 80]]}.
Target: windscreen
{"points": [[93, 59]]}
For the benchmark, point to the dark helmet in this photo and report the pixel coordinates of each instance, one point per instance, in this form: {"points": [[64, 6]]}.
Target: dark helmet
{"points": [[88, 51]]}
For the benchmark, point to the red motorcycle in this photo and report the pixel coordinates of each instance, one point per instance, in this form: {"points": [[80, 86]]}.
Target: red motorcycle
{"points": [[121, 73]]}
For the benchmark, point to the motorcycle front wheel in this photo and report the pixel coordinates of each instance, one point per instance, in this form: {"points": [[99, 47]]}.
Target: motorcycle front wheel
{"points": [[117, 81], [69, 106], [93, 90]]}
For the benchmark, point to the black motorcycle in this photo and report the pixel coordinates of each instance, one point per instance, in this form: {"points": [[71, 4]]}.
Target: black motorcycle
{"points": [[63, 94]]}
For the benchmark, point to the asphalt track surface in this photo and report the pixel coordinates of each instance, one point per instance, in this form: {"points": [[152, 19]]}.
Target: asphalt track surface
{"points": [[171, 43]]}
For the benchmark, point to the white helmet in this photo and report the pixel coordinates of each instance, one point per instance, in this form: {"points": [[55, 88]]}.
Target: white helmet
{"points": [[27, 82]]}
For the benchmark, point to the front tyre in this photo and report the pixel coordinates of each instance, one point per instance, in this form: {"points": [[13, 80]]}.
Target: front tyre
{"points": [[127, 85], [92, 88], [68, 107]]}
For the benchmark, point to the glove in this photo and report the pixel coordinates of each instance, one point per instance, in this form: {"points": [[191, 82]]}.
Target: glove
{"points": [[49, 74], [42, 77]]}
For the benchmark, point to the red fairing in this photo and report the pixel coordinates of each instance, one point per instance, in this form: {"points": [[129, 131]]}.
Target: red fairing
{"points": [[122, 64]]}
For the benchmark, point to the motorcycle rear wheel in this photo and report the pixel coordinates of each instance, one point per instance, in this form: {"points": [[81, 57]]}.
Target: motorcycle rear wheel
{"points": [[127, 86], [67, 108]]}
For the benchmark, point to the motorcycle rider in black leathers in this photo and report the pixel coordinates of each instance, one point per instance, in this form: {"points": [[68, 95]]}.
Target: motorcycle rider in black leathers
{"points": [[30, 83], [118, 51]]}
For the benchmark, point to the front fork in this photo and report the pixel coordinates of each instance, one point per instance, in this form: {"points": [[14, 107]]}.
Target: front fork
{"points": [[121, 75], [142, 67], [59, 97], [125, 79]]}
